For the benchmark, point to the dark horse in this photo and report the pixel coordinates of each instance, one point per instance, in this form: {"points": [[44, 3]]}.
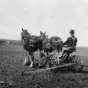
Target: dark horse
{"points": [[31, 43]]}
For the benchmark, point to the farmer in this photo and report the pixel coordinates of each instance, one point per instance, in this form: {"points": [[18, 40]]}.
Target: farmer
{"points": [[70, 44]]}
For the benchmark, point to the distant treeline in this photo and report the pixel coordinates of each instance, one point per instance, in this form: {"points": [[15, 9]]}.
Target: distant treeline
{"points": [[2, 41], [12, 42]]}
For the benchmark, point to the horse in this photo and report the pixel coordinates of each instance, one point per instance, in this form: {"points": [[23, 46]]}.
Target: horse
{"points": [[32, 43]]}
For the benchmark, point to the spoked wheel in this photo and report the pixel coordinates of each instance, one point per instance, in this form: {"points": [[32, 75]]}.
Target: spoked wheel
{"points": [[78, 63]]}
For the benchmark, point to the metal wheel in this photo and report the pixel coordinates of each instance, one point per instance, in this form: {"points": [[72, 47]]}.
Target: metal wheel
{"points": [[78, 63]]}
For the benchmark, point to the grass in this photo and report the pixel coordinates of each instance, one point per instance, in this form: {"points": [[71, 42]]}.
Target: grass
{"points": [[11, 58]]}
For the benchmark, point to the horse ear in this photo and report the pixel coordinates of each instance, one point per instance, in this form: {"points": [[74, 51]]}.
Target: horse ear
{"points": [[44, 32], [41, 32], [22, 29]]}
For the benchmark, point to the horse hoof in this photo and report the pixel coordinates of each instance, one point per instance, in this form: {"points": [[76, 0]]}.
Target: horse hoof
{"points": [[31, 65], [22, 74]]}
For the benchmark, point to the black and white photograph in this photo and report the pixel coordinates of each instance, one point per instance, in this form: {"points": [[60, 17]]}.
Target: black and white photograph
{"points": [[43, 43]]}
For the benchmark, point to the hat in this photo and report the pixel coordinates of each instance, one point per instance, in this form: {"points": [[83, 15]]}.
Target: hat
{"points": [[72, 31]]}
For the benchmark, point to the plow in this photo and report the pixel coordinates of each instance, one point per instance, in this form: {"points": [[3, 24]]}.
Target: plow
{"points": [[74, 66]]}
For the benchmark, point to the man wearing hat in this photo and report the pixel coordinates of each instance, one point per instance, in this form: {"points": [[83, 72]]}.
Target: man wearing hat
{"points": [[70, 44]]}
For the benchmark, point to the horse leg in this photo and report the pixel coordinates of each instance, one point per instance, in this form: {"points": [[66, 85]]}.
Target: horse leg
{"points": [[31, 65], [31, 60]]}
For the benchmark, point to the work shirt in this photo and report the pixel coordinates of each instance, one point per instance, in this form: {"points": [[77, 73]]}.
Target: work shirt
{"points": [[71, 42]]}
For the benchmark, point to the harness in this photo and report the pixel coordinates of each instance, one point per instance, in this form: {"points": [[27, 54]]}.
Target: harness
{"points": [[73, 44]]}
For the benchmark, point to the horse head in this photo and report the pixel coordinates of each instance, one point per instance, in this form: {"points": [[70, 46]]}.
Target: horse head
{"points": [[25, 36], [25, 33], [43, 35]]}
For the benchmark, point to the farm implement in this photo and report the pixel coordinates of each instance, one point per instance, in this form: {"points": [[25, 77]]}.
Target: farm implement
{"points": [[56, 62], [75, 66]]}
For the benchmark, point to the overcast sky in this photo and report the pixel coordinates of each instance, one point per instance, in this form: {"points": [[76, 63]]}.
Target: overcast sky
{"points": [[56, 17]]}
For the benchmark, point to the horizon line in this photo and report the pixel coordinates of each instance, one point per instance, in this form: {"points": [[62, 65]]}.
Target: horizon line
{"points": [[20, 40]]}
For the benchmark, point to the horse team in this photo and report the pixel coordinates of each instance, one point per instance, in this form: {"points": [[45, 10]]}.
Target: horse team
{"points": [[46, 51]]}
